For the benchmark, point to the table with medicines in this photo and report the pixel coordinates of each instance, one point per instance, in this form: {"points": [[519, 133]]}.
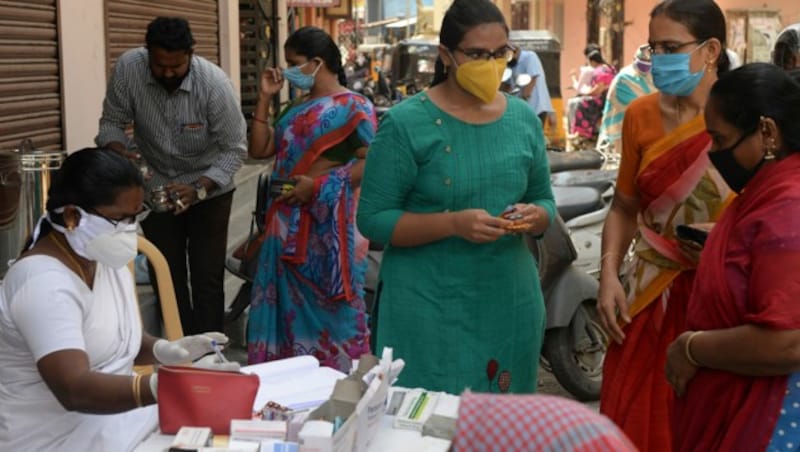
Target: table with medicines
{"points": [[385, 418]]}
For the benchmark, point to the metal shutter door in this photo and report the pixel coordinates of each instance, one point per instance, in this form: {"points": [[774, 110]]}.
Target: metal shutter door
{"points": [[30, 92], [258, 28], [126, 24]]}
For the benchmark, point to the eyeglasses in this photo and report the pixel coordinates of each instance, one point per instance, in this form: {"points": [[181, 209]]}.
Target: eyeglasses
{"points": [[506, 53], [665, 47], [128, 220]]}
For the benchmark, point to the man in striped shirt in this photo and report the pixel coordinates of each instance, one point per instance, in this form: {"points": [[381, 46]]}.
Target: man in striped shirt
{"points": [[189, 131]]}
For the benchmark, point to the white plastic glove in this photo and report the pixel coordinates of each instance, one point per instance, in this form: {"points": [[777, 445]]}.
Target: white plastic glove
{"points": [[212, 362], [188, 348]]}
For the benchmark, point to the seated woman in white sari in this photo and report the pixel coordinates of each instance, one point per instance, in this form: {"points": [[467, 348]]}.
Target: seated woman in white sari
{"points": [[69, 328]]}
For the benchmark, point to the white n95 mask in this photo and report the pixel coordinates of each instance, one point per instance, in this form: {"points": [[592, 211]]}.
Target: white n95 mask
{"points": [[99, 239]]}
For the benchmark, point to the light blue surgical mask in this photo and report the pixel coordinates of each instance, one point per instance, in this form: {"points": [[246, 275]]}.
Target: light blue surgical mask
{"points": [[298, 79], [672, 75]]}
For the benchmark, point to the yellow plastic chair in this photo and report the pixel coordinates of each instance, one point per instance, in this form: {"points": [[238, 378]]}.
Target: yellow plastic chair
{"points": [[166, 291], [173, 329]]}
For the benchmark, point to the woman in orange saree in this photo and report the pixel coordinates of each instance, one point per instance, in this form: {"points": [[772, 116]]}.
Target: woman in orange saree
{"points": [[665, 180]]}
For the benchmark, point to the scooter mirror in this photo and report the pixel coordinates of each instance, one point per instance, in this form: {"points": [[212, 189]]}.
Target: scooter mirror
{"points": [[506, 75], [523, 80]]}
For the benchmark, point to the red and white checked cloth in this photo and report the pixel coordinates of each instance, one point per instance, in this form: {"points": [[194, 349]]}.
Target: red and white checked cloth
{"points": [[495, 422]]}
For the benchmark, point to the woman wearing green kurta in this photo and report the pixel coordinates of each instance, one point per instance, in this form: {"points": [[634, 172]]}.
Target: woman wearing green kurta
{"points": [[460, 300]]}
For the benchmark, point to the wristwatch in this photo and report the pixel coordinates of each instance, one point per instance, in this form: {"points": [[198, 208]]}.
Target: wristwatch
{"points": [[201, 191]]}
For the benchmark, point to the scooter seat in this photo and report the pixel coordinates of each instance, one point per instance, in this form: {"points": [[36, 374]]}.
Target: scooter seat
{"points": [[599, 179], [572, 202], [565, 161]]}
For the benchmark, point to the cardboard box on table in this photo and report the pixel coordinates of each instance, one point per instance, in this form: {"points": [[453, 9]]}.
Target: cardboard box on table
{"points": [[359, 405]]}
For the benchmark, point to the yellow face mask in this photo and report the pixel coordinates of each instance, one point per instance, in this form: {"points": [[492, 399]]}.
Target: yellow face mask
{"points": [[481, 78]]}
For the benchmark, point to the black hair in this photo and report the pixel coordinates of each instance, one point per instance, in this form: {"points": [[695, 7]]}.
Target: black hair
{"points": [[89, 178], [462, 16], [786, 47], [313, 42], [742, 96], [169, 33], [596, 56], [795, 74], [590, 48], [704, 20]]}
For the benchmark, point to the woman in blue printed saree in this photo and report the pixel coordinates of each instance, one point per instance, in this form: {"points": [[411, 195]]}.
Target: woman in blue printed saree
{"points": [[307, 296]]}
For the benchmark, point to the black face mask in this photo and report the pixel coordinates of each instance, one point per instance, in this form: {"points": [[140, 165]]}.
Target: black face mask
{"points": [[734, 174]]}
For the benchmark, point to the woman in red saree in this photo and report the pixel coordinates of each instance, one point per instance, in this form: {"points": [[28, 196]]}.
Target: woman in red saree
{"points": [[665, 180], [736, 372]]}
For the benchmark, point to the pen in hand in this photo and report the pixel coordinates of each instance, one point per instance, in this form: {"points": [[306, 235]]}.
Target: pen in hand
{"points": [[217, 350]]}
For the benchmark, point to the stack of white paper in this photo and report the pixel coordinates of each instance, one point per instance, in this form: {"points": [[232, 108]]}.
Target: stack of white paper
{"points": [[297, 383]]}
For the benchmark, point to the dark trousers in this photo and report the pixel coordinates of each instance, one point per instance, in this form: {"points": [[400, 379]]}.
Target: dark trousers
{"points": [[201, 234]]}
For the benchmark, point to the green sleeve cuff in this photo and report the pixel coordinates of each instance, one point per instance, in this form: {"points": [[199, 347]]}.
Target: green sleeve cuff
{"points": [[379, 227], [549, 206]]}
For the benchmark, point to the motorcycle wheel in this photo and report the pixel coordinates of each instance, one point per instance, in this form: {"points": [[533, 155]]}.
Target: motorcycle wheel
{"points": [[575, 353]]}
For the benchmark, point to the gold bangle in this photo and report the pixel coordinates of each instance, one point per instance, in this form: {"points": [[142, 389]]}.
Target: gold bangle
{"points": [[688, 350], [137, 390]]}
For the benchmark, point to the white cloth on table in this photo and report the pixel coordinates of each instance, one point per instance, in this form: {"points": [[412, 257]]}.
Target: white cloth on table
{"points": [[44, 308]]}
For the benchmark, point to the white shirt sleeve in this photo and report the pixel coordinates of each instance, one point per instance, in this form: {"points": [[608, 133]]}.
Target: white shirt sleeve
{"points": [[48, 313], [585, 80]]}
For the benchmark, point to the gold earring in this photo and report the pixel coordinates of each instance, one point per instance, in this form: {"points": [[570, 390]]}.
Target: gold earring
{"points": [[769, 152]]}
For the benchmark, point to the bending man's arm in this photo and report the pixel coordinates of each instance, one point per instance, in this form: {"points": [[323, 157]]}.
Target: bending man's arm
{"points": [[117, 113]]}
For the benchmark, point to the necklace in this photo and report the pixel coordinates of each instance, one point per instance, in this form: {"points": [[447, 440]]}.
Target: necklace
{"points": [[70, 257]]}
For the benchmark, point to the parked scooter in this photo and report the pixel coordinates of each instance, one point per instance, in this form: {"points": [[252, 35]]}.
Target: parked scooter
{"points": [[575, 343], [584, 198], [569, 261]]}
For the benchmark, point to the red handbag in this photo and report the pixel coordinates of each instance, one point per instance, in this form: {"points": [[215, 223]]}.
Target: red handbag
{"points": [[193, 397]]}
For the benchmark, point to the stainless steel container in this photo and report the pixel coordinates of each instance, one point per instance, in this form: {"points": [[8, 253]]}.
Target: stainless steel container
{"points": [[24, 182], [160, 199]]}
